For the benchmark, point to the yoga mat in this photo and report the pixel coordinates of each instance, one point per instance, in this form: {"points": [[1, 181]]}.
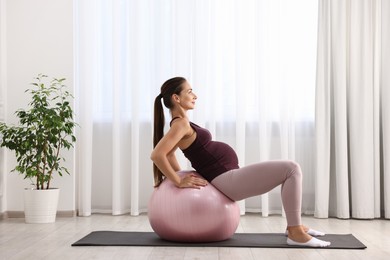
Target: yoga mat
{"points": [[266, 240]]}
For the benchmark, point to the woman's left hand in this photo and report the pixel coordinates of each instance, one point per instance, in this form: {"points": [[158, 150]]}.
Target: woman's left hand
{"points": [[192, 181]]}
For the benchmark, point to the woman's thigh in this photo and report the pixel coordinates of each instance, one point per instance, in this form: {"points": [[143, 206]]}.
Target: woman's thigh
{"points": [[255, 179]]}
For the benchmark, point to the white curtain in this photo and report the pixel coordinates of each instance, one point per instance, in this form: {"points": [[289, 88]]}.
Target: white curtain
{"points": [[352, 109], [251, 63]]}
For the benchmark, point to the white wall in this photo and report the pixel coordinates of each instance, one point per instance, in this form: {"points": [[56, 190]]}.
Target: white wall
{"points": [[2, 100], [39, 39]]}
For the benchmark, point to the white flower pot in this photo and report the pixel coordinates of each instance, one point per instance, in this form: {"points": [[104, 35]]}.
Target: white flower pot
{"points": [[40, 206]]}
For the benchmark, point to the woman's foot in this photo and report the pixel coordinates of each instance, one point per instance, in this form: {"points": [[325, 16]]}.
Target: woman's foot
{"points": [[298, 236], [313, 242], [311, 232]]}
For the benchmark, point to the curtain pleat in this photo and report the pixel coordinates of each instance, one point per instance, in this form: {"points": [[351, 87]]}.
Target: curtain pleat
{"points": [[385, 105], [136, 39], [86, 66], [117, 81]]}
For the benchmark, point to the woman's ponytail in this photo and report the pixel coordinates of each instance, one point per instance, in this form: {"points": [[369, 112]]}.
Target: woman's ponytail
{"points": [[170, 87], [158, 133]]}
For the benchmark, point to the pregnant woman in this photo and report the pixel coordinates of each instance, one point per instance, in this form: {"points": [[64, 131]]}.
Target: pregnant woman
{"points": [[218, 164]]}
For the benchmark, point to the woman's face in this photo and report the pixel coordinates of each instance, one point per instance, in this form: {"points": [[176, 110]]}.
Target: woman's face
{"points": [[186, 98]]}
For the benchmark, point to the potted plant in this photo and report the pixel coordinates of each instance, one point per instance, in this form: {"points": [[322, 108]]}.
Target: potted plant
{"points": [[44, 130]]}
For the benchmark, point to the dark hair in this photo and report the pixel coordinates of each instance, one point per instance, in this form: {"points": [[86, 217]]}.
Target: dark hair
{"points": [[170, 87]]}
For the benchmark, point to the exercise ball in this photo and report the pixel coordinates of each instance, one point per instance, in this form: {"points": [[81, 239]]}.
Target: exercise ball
{"points": [[192, 215]]}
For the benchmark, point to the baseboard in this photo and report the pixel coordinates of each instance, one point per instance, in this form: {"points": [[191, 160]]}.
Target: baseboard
{"points": [[20, 214], [3, 215], [66, 213]]}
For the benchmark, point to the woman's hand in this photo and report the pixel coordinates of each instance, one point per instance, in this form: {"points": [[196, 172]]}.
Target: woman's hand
{"points": [[192, 181]]}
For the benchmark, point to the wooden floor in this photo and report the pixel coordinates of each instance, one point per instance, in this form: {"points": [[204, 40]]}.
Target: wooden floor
{"points": [[53, 241]]}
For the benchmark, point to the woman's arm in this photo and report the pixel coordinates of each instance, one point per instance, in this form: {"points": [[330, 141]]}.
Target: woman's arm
{"points": [[173, 161], [164, 158]]}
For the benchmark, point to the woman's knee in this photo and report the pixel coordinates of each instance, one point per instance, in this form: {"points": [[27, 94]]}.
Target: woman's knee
{"points": [[294, 168]]}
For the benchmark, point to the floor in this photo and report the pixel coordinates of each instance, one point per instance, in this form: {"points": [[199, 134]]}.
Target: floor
{"points": [[53, 241]]}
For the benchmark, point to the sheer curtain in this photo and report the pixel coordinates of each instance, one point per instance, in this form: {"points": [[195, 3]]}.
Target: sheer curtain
{"points": [[251, 63], [352, 112]]}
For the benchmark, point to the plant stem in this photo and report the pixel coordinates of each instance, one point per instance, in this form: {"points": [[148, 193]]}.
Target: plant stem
{"points": [[51, 170], [44, 164]]}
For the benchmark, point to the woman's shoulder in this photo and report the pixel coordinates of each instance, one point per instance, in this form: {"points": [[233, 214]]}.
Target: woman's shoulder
{"points": [[180, 125], [179, 121]]}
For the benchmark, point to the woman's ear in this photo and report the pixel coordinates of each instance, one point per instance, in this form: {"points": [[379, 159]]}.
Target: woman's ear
{"points": [[176, 98]]}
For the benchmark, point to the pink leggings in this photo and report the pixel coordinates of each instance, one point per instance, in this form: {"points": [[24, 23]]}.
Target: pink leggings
{"points": [[260, 178]]}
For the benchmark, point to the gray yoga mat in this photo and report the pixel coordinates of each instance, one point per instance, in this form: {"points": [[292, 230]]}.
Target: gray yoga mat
{"points": [[267, 240]]}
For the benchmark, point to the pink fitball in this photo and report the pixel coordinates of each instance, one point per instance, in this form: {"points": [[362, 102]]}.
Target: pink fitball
{"points": [[192, 215]]}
